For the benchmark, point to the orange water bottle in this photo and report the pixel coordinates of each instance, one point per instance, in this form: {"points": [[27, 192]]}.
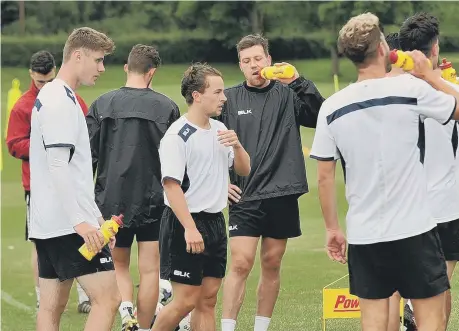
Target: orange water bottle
{"points": [[108, 229], [283, 71]]}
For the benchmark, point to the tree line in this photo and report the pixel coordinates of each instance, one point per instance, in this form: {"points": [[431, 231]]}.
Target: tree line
{"points": [[308, 26]]}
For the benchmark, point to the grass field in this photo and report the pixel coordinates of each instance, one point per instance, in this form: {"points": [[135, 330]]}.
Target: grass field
{"points": [[306, 268]]}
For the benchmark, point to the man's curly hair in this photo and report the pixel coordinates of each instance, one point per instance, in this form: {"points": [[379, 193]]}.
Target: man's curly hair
{"points": [[195, 79], [393, 41], [359, 38], [419, 32]]}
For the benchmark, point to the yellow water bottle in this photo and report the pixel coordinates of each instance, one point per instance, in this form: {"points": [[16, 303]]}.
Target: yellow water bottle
{"points": [[108, 229], [448, 72], [283, 71], [402, 60]]}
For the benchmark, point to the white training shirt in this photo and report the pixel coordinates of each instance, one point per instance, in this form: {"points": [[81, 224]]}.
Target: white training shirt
{"points": [[195, 158], [375, 127], [58, 121], [441, 166]]}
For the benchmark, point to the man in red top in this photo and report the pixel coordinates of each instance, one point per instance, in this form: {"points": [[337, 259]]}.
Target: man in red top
{"points": [[42, 70]]}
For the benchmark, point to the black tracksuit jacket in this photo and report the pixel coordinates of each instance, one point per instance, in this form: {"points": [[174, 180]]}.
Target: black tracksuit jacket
{"points": [[267, 122]]}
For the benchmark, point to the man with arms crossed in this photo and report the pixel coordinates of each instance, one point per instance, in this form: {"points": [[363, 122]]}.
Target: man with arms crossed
{"points": [[421, 31], [125, 128], [63, 213], [42, 70], [266, 116], [196, 153], [373, 126]]}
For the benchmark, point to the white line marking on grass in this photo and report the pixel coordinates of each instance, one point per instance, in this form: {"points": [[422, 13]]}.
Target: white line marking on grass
{"points": [[13, 302]]}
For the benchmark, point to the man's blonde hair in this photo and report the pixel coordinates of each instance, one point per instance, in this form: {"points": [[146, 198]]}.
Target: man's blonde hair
{"points": [[359, 38], [89, 39]]}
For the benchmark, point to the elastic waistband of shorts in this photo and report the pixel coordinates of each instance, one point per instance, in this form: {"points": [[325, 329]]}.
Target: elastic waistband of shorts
{"points": [[202, 215]]}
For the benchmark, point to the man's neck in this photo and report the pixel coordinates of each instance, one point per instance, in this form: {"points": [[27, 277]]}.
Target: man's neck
{"points": [[396, 71], [259, 87], [371, 72], [198, 118], [66, 75], [135, 81]]}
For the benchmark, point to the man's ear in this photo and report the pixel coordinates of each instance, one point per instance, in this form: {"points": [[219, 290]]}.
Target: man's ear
{"points": [[435, 49], [196, 96]]}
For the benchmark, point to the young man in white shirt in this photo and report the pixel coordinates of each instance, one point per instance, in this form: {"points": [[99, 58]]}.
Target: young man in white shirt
{"points": [[196, 154], [421, 31], [63, 213], [373, 127]]}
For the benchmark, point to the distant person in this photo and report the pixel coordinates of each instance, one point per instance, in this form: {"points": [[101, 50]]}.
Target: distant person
{"points": [[374, 127], [63, 212], [42, 70], [266, 115], [196, 153], [125, 128]]}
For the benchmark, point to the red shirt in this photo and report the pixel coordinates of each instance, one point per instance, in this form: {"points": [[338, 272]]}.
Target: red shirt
{"points": [[18, 135]]}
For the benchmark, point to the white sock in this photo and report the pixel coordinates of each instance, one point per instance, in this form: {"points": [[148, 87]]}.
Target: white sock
{"points": [[409, 304], [144, 329], [261, 323], [82, 297], [37, 292], [228, 324], [124, 312]]}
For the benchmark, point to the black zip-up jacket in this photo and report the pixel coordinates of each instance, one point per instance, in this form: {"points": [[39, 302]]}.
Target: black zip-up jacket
{"points": [[125, 128], [267, 122]]}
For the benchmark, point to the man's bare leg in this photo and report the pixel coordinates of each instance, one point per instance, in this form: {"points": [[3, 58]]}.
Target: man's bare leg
{"points": [[271, 254], [121, 259], [430, 313], [394, 312], [243, 250], [147, 296], [450, 266], [102, 289], [34, 262], [203, 317], [374, 314], [53, 299], [183, 302]]}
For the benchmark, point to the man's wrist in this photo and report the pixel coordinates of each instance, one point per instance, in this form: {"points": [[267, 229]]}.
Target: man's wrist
{"points": [[433, 79]]}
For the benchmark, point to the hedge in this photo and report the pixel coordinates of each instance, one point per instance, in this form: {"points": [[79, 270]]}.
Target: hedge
{"points": [[175, 48]]}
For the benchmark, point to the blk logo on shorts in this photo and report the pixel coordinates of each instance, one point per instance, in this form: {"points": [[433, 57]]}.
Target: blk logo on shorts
{"points": [[106, 260], [181, 274], [232, 227]]}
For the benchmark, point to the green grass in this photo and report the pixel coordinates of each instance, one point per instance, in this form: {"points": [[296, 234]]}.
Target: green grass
{"points": [[305, 270]]}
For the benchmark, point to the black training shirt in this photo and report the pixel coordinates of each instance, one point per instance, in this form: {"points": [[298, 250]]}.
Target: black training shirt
{"points": [[267, 122], [125, 128]]}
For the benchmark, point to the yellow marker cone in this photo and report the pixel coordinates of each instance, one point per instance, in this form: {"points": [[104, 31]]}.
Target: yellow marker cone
{"points": [[13, 95]]}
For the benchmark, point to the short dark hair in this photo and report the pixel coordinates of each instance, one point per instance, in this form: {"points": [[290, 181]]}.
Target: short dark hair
{"points": [[42, 62], [419, 32], [253, 40], [195, 79], [142, 58], [393, 41]]}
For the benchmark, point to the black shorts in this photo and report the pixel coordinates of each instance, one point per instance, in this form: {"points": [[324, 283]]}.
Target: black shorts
{"points": [[449, 238], [59, 258], [177, 264], [413, 266], [27, 200], [277, 218], [145, 232]]}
